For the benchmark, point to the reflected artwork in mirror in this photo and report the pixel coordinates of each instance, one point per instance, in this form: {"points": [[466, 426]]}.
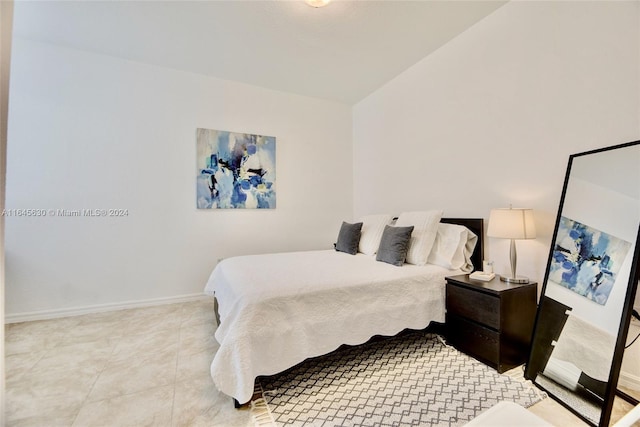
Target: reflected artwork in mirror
{"points": [[590, 282]]}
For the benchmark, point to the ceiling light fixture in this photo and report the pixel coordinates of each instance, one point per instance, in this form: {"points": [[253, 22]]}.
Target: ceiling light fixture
{"points": [[317, 3]]}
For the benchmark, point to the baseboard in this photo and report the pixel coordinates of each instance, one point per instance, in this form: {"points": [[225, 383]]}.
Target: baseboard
{"points": [[628, 380], [77, 311]]}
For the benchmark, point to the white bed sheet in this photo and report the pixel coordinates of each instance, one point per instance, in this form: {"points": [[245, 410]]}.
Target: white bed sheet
{"points": [[277, 310]]}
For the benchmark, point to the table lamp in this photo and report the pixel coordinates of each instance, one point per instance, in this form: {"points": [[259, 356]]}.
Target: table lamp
{"points": [[512, 224]]}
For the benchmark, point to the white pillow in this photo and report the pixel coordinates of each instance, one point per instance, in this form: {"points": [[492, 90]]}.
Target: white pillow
{"points": [[425, 225], [371, 233], [453, 247]]}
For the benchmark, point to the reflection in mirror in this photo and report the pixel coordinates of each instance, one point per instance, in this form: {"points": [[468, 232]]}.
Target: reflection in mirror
{"points": [[587, 295], [629, 381]]}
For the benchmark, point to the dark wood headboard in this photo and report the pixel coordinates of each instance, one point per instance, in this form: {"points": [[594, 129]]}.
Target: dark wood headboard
{"points": [[476, 225]]}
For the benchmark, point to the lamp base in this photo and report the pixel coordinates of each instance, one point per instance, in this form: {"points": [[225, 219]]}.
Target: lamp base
{"points": [[517, 279]]}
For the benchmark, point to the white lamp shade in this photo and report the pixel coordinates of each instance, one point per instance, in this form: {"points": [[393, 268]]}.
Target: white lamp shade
{"points": [[511, 224]]}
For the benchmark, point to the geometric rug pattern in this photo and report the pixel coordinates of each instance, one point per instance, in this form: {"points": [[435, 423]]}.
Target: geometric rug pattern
{"points": [[413, 379]]}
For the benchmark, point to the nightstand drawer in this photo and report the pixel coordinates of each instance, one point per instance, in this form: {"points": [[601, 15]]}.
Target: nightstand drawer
{"points": [[474, 339], [476, 306]]}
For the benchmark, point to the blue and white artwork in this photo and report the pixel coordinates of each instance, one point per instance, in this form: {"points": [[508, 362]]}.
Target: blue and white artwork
{"points": [[587, 260], [235, 170]]}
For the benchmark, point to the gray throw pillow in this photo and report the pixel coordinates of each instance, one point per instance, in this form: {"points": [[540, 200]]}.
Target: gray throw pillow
{"points": [[394, 245], [348, 238]]}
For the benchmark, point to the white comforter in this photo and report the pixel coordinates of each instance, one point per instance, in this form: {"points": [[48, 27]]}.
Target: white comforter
{"points": [[277, 310]]}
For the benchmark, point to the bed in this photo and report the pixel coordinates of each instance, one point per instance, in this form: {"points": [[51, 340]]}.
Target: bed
{"points": [[276, 310]]}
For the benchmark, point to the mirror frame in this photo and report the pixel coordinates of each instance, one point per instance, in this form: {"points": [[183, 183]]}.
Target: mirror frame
{"points": [[634, 276]]}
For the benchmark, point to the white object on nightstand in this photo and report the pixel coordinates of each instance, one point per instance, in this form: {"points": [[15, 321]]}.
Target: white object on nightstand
{"points": [[481, 275], [487, 266]]}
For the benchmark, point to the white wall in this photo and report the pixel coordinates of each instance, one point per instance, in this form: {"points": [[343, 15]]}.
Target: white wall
{"points": [[491, 118], [6, 20], [630, 375], [92, 131], [487, 120]]}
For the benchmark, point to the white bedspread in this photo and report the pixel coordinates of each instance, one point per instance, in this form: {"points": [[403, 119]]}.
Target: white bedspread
{"points": [[277, 310]]}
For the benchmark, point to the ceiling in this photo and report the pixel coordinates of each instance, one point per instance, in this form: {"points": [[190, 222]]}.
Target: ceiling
{"points": [[341, 52]]}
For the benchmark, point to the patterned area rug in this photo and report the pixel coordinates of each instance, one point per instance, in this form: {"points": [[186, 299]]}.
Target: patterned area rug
{"points": [[413, 379]]}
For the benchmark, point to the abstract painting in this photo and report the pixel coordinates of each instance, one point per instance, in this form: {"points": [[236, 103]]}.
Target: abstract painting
{"points": [[586, 260], [235, 170]]}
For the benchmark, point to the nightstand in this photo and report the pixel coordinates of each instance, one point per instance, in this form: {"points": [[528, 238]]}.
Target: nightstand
{"points": [[491, 321]]}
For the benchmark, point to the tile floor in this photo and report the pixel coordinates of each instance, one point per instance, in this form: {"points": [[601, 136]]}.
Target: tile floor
{"points": [[137, 367]]}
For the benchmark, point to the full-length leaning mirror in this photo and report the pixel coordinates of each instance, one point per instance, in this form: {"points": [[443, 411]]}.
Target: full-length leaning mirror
{"points": [[591, 278]]}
